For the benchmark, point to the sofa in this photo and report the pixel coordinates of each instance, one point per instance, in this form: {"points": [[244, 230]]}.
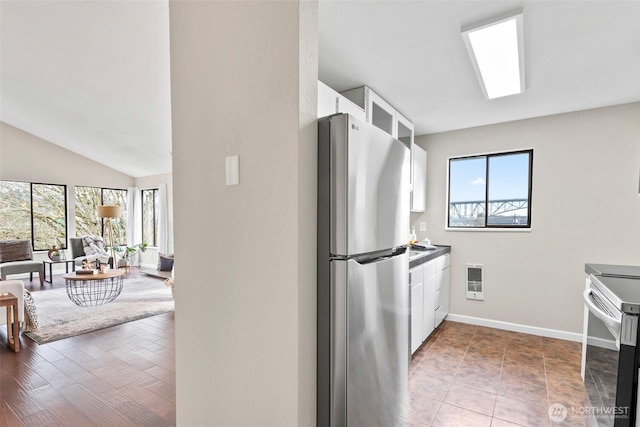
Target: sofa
{"points": [[16, 257]]}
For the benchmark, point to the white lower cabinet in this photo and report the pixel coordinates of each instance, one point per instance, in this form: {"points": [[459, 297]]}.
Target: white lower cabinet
{"points": [[428, 307], [429, 284], [446, 290], [442, 298], [417, 303], [428, 313]]}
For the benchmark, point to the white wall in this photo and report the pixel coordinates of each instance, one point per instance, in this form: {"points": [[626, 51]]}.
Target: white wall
{"points": [[585, 208], [26, 157], [244, 79]]}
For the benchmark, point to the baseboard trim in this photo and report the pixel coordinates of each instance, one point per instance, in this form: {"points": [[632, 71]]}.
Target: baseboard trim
{"points": [[602, 343], [516, 327], [145, 265]]}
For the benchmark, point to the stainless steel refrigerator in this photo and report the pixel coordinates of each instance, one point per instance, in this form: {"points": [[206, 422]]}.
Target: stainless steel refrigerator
{"points": [[363, 268]]}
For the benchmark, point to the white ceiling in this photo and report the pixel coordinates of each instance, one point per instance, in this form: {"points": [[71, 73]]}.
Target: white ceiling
{"points": [[93, 76], [90, 76], [579, 55]]}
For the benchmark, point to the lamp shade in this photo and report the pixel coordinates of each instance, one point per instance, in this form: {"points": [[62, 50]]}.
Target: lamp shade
{"points": [[105, 211]]}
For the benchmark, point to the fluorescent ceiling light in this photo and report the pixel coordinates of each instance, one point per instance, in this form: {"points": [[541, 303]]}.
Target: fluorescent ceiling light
{"points": [[496, 51]]}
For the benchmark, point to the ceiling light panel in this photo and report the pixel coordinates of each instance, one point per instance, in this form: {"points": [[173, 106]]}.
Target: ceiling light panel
{"points": [[496, 51]]}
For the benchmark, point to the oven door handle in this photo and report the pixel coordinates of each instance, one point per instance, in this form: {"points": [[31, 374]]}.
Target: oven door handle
{"points": [[611, 323]]}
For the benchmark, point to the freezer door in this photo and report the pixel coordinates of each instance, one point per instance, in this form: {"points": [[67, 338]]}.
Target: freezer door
{"points": [[370, 188], [372, 322]]}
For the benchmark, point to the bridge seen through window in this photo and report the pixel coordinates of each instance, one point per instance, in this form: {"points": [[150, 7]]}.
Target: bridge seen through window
{"points": [[490, 190]]}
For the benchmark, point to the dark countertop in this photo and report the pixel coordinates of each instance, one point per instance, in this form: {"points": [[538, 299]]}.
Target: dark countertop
{"points": [[609, 270], [415, 261]]}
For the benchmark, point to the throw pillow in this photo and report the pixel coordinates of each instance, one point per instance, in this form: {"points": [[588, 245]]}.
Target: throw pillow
{"points": [[30, 315], [15, 250], [93, 245], [165, 262]]}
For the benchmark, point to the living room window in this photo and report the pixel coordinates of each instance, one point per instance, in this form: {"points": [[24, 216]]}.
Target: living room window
{"points": [[87, 221], [33, 211], [150, 216], [490, 190], [119, 198]]}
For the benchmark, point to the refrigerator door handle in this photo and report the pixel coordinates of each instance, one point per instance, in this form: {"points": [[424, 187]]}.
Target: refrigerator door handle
{"points": [[368, 259], [372, 260], [399, 250]]}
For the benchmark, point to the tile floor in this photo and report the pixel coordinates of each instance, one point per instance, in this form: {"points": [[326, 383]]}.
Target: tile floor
{"points": [[466, 375]]}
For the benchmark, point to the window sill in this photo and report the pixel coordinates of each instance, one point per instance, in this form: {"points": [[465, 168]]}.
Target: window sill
{"points": [[490, 229]]}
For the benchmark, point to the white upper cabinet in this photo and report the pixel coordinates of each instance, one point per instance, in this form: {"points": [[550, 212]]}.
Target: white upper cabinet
{"points": [[346, 106], [327, 100], [419, 179], [405, 134], [331, 102], [381, 114], [404, 130]]}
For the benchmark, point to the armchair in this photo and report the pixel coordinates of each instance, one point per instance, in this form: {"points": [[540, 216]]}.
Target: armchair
{"points": [[16, 257]]}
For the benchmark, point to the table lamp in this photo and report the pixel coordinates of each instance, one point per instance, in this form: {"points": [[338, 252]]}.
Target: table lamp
{"points": [[109, 212]]}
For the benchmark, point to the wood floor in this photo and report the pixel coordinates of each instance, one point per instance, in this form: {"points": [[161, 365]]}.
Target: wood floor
{"points": [[120, 376]]}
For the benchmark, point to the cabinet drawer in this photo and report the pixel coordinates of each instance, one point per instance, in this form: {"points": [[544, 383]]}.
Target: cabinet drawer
{"points": [[442, 262], [416, 276], [430, 269]]}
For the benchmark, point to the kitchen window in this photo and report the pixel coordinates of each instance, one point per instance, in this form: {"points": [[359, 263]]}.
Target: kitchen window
{"points": [[490, 191]]}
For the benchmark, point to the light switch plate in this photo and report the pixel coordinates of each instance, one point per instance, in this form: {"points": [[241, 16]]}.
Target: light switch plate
{"points": [[233, 170]]}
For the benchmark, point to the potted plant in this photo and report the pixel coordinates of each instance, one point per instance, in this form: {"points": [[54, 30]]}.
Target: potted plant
{"points": [[127, 252], [54, 254]]}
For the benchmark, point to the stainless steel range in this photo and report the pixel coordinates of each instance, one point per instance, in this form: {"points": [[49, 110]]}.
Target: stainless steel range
{"points": [[610, 351]]}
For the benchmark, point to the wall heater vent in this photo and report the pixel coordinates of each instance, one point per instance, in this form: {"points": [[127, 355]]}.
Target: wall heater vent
{"points": [[475, 281]]}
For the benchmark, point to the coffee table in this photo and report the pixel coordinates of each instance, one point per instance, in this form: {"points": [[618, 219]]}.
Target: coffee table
{"points": [[94, 289]]}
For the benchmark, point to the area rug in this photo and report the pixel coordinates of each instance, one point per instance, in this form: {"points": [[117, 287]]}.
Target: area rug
{"points": [[59, 318]]}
